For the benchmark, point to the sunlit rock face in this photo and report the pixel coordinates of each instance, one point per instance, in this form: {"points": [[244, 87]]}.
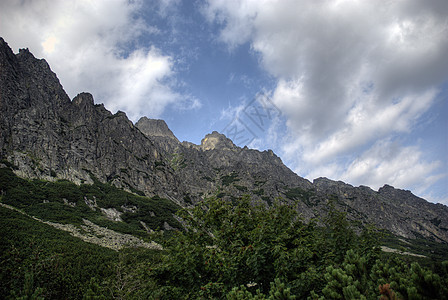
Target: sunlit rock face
{"points": [[153, 127], [158, 131], [216, 140]]}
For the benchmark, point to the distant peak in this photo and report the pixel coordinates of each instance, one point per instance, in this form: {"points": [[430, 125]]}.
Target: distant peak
{"points": [[326, 182], [5, 51], [83, 99], [154, 127], [25, 53], [121, 113], [388, 189], [216, 140], [3, 44]]}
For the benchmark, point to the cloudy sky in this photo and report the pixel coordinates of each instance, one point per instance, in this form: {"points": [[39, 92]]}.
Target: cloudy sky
{"points": [[350, 90]]}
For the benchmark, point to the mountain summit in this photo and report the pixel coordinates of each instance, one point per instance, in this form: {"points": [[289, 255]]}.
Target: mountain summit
{"points": [[216, 140], [46, 135], [153, 127]]}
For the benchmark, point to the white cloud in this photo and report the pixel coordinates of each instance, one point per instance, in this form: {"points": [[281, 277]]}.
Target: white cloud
{"points": [[389, 162], [369, 121], [350, 73], [237, 16], [232, 112], [434, 198], [166, 7], [93, 46]]}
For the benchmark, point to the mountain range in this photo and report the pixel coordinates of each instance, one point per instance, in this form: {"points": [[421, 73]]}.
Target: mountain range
{"points": [[46, 135]]}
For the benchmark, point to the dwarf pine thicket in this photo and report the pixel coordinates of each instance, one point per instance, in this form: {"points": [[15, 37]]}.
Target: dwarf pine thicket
{"points": [[236, 250]]}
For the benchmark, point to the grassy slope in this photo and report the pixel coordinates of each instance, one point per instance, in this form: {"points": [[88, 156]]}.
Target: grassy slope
{"points": [[61, 264], [46, 200]]}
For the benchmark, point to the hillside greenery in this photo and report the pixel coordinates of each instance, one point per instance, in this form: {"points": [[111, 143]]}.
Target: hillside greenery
{"points": [[253, 251], [65, 202], [240, 249]]}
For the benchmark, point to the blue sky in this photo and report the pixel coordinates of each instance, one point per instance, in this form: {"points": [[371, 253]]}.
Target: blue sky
{"points": [[350, 90]]}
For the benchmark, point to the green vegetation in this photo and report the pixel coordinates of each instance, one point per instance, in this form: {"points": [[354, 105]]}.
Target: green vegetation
{"points": [[138, 192], [177, 161], [159, 164], [302, 195], [259, 182], [241, 188], [207, 178], [259, 192], [228, 249], [41, 262], [65, 202], [8, 164], [228, 179], [251, 251], [433, 251], [187, 199], [37, 259]]}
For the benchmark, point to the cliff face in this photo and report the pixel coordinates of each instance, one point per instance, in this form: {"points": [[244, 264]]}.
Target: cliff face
{"points": [[49, 136], [396, 210], [158, 131]]}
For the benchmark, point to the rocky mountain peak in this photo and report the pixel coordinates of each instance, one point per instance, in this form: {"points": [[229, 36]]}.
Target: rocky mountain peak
{"points": [[121, 114], [386, 188], [83, 100], [4, 48], [38, 65], [154, 127], [326, 183], [216, 140], [25, 52], [399, 195]]}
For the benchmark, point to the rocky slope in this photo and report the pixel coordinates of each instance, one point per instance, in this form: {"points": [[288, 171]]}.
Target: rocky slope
{"points": [[47, 135]]}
